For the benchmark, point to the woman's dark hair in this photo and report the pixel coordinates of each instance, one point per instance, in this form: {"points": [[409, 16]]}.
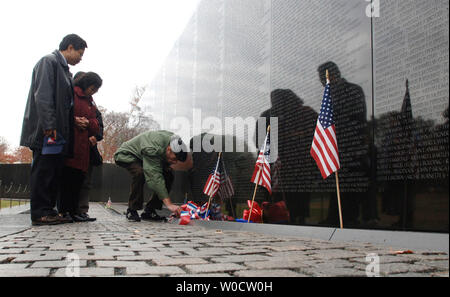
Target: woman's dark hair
{"points": [[78, 75], [88, 79], [72, 39]]}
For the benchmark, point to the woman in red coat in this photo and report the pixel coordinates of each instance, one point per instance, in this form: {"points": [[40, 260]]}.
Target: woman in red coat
{"points": [[85, 126]]}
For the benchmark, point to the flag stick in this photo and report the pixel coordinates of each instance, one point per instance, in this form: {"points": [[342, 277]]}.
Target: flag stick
{"points": [[258, 175], [253, 199], [215, 171], [339, 200]]}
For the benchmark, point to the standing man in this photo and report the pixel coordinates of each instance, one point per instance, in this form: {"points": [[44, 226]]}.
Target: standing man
{"points": [[48, 126], [148, 158]]}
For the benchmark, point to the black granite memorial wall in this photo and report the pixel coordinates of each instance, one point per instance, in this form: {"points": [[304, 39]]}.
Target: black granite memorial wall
{"points": [[267, 58]]}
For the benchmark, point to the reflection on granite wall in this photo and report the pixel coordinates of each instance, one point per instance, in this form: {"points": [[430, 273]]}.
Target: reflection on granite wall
{"points": [[267, 58], [411, 111]]}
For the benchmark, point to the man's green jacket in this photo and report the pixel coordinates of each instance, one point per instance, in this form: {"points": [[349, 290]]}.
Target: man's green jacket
{"points": [[150, 148]]}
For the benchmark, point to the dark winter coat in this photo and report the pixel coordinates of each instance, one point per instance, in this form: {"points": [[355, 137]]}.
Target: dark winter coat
{"points": [[49, 105], [83, 107]]}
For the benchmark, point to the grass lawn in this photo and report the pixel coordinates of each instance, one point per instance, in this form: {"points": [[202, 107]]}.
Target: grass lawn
{"points": [[6, 203]]}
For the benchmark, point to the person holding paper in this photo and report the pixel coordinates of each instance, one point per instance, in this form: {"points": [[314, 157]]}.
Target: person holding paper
{"points": [[47, 127]]}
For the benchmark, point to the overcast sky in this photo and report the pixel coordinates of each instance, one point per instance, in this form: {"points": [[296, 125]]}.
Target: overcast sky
{"points": [[127, 44]]}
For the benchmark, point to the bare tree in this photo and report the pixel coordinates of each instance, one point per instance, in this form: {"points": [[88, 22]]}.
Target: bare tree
{"points": [[122, 126], [140, 118]]}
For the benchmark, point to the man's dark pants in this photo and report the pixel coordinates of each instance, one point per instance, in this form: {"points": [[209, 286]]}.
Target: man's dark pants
{"points": [[71, 182], [45, 181], [136, 199]]}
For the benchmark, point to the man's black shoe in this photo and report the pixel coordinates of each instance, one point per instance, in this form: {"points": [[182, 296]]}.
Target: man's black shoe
{"points": [[65, 218], [78, 218], [132, 215], [87, 217], [152, 216]]}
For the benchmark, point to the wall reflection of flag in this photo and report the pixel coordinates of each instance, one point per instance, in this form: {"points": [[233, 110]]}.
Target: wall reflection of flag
{"points": [[276, 176], [226, 189]]}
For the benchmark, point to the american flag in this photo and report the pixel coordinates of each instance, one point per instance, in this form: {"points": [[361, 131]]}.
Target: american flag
{"points": [[261, 174], [324, 148], [213, 182], [226, 189]]}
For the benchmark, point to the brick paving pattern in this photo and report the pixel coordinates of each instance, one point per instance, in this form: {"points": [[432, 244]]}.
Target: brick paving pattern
{"points": [[112, 246]]}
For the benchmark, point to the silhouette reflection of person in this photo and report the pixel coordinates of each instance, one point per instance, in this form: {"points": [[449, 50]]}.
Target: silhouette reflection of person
{"points": [[390, 127], [443, 130], [350, 116], [239, 167], [204, 162], [399, 148], [292, 171]]}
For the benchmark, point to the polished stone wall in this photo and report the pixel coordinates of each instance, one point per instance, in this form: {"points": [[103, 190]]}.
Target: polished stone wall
{"points": [[389, 84]]}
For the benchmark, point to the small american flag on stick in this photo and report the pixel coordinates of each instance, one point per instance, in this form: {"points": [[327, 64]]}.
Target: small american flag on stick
{"points": [[261, 174], [324, 148], [213, 183]]}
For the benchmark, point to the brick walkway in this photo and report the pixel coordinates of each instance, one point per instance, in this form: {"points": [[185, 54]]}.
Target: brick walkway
{"points": [[112, 246]]}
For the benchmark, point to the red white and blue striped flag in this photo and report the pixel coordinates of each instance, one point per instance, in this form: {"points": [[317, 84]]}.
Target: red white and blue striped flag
{"points": [[324, 148], [261, 174], [191, 211], [213, 182]]}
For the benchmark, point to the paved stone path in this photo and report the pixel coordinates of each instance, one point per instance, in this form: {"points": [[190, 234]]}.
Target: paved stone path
{"points": [[112, 246]]}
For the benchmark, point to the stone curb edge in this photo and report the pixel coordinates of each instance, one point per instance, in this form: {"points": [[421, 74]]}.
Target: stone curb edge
{"points": [[395, 239]]}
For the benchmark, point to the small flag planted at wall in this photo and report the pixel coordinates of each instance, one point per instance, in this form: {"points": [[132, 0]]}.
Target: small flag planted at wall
{"points": [[261, 174], [212, 184], [324, 146]]}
